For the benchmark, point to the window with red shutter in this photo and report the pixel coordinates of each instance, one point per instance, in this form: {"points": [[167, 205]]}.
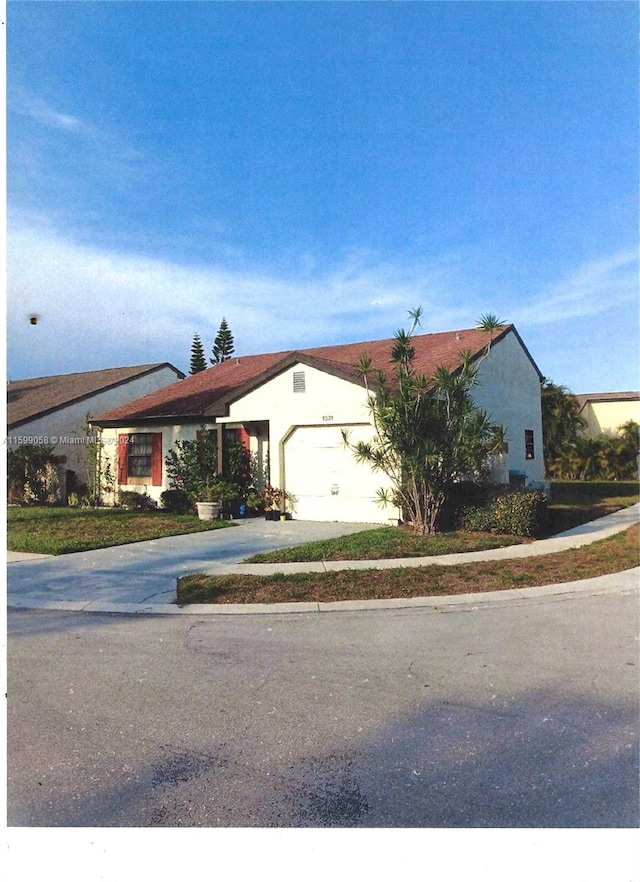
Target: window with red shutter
{"points": [[140, 458]]}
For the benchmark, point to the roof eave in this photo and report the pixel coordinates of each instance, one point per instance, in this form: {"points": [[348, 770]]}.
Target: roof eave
{"points": [[163, 419]]}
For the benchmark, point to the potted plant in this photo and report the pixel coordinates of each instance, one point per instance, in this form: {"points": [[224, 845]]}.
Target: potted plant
{"points": [[208, 502], [254, 502], [272, 496], [229, 496], [287, 505], [192, 467], [279, 504]]}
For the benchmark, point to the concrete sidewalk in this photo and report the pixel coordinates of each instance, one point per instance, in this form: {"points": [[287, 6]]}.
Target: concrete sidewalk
{"points": [[574, 538], [141, 578]]}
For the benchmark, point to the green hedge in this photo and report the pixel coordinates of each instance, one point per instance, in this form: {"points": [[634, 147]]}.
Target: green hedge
{"points": [[570, 492], [176, 501], [131, 499], [517, 513]]}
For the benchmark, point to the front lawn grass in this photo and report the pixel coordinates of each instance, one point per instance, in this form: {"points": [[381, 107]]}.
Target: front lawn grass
{"points": [[386, 543], [612, 555], [60, 530]]}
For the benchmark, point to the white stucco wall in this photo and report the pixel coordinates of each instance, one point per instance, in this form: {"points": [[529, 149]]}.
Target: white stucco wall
{"points": [[170, 434], [67, 425], [308, 424], [606, 417], [509, 390]]}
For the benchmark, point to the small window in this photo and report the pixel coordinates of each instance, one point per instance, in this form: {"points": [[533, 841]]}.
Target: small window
{"points": [[139, 455], [529, 449], [299, 383]]}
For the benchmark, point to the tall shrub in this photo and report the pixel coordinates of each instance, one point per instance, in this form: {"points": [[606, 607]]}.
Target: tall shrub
{"points": [[192, 467], [31, 473], [192, 464]]}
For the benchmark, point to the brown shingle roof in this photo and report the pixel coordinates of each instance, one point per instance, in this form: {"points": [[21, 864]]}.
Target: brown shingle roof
{"points": [[209, 392], [35, 397], [587, 398]]}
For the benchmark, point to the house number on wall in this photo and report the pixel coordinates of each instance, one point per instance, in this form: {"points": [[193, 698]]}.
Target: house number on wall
{"points": [[327, 419]]}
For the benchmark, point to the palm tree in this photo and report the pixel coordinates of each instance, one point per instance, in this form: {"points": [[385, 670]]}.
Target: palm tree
{"points": [[428, 431], [627, 446], [562, 426]]}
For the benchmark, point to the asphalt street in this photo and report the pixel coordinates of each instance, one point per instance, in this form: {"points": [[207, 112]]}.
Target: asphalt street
{"points": [[520, 713]]}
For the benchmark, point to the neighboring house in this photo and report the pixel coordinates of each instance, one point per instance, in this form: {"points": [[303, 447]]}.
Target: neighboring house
{"points": [[289, 409], [605, 412], [53, 410]]}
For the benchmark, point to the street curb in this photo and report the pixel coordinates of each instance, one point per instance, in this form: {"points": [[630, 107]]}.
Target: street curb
{"points": [[623, 582]]}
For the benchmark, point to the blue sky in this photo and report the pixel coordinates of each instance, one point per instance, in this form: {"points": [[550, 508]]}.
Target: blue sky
{"points": [[312, 171]]}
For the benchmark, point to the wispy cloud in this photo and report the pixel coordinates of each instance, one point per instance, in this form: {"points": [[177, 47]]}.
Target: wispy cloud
{"points": [[107, 307], [101, 307], [36, 109], [590, 289], [97, 152]]}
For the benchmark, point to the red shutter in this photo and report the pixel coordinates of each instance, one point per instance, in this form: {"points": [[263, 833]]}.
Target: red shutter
{"points": [[123, 451], [156, 459], [245, 437]]}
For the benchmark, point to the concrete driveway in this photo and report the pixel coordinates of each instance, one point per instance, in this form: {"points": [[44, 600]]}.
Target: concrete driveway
{"points": [[145, 573]]}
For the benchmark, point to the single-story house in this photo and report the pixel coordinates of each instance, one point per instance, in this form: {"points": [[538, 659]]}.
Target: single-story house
{"points": [[53, 410], [605, 412], [289, 408]]}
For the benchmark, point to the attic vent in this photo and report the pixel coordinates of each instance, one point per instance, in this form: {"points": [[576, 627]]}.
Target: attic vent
{"points": [[299, 384]]}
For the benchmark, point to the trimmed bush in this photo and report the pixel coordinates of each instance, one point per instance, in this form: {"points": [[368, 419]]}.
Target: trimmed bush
{"points": [[176, 501], [517, 513], [131, 499], [463, 497]]}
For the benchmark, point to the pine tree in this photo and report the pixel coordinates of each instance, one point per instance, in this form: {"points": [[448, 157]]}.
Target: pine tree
{"points": [[198, 360], [223, 347]]}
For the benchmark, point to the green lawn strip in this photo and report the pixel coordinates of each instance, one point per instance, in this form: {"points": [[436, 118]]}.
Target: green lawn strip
{"points": [[573, 504], [385, 543], [615, 554], [41, 530]]}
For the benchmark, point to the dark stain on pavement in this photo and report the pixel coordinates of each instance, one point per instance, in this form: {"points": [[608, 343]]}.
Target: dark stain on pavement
{"points": [[329, 794], [185, 766]]}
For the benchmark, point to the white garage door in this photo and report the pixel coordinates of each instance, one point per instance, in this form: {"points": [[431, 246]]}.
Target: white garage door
{"points": [[327, 481]]}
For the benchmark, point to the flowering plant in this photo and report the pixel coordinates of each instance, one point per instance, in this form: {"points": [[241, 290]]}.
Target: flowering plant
{"points": [[276, 499]]}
